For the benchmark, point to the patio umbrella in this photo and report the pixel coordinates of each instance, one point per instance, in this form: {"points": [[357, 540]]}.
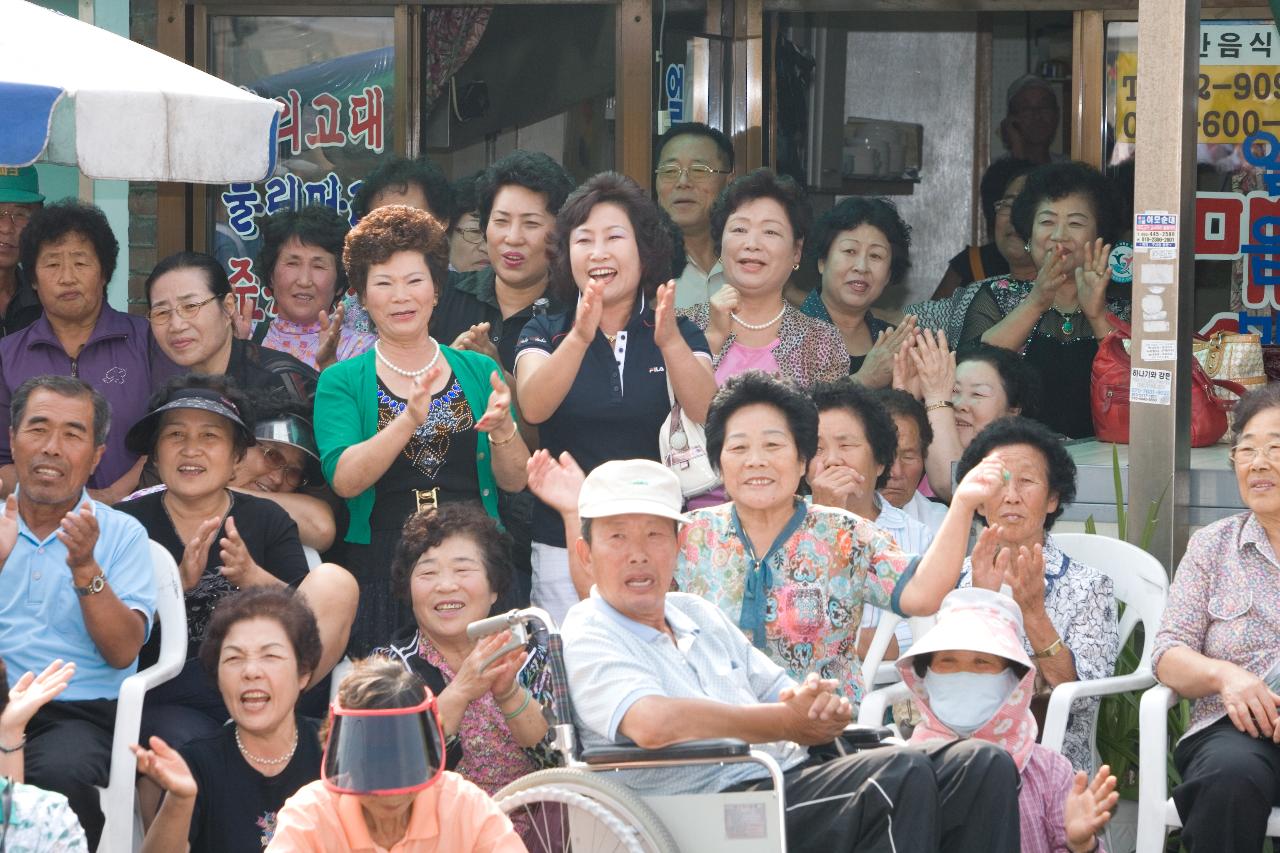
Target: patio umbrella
{"points": [[82, 96]]}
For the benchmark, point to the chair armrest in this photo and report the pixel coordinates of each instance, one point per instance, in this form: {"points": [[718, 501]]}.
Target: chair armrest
{"points": [[693, 750], [1055, 721], [874, 705], [1153, 779]]}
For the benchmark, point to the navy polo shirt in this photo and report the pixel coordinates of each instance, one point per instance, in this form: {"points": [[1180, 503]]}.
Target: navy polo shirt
{"points": [[607, 414]]}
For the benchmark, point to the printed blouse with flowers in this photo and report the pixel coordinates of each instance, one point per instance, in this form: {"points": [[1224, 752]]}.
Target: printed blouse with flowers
{"points": [[302, 340], [801, 601]]}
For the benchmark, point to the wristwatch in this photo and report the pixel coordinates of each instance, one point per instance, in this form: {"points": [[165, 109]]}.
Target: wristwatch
{"points": [[97, 585]]}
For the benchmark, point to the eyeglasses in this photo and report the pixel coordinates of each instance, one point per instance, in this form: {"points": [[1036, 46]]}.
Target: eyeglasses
{"points": [[293, 475], [162, 316], [472, 234], [18, 217], [697, 173], [1242, 454]]}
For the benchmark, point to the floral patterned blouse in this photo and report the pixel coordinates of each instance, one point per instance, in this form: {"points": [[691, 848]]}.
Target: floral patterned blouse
{"points": [[1225, 604], [1081, 604], [801, 602], [809, 351], [302, 341]]}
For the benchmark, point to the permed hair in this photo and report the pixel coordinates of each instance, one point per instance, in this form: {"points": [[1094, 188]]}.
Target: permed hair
{"points": [[652, 235], [754, 386], [1055, 181], [1019, 430], [284, 606], [762, 183], [51, 223], [391, 229], [396, 175], [315, 225], [860, 210], [426, 530], [1018, 379], [532, 170], [877, 424]]}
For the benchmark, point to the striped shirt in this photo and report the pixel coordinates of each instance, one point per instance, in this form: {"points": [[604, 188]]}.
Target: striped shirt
{"points": [[613, 662]]}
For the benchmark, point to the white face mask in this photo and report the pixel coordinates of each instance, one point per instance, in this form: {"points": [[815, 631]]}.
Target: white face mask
{"points": [[964, 701]]}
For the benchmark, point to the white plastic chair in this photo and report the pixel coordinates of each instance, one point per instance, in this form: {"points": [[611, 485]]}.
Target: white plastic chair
{"points": [[117, 798], [876, 670], [1156, 811]]}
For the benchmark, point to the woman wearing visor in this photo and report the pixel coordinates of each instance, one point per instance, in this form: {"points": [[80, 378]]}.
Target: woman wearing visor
{"points": [[281, 462], [222, 541], [222, 792], [383, 784]]}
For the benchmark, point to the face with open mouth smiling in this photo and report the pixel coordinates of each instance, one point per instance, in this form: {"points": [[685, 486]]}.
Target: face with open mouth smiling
{"points": [[450, 589], [400, 295], [856, 268], [258, 675], [603, 249], [758, 247], [760, 462], [194, 452], [979, 398], [1259, 479]]}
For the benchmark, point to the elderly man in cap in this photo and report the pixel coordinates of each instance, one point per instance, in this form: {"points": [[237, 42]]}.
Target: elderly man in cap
{"points": [[660, 667], [20, 198], [1030, 127]]}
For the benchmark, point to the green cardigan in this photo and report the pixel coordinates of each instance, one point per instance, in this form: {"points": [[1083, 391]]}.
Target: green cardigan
{"points": [[346, 413]]}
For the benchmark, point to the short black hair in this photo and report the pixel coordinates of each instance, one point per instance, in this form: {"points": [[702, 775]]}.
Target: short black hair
{"points": [[697, 128], [754, 386], [996, 180], [398, 174], [899, 403], [63, 386], [51, 223], [426, 530], [282, 605], [1253, 404], [877, 423], [314, 225], [532, 170], [653, 236], [762, 183], [214, 274], [1054, 181], [1020, 381], [1019, 430], [464, 197], [861, 210]]}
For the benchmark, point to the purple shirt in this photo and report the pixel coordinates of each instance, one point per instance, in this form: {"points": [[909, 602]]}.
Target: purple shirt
{"points": [[120, 360], [1042, 802]]}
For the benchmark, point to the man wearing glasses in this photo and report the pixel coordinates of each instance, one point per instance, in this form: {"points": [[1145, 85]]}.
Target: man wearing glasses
{"points": [[694, 164], [20, 198]]}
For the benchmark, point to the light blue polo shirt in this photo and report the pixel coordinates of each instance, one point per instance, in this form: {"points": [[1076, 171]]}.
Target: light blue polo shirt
{"points": [[40, 616], [614, 661]]}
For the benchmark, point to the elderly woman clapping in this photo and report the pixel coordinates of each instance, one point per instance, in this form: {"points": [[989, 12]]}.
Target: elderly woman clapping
{"points": [[1069, 608], [1219, 644]]}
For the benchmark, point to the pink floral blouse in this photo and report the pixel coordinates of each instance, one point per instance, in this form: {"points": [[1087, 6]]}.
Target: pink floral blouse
{"points": [[302, 341]]}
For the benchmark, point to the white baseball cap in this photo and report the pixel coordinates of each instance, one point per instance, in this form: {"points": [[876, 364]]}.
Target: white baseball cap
{"points": [[631, 486]]}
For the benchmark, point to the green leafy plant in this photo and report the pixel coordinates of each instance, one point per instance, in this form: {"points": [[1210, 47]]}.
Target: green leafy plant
{"points": [[1118, 715]]}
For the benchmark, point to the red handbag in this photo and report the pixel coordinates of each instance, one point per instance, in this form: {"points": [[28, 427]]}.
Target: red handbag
{"points": [[1109, 394]]}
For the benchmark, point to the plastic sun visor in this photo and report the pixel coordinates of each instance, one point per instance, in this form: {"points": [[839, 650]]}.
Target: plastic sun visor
{"points": [[383, 750]]}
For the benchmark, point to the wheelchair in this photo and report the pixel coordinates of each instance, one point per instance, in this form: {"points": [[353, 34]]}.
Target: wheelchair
{"points": [[585, 806]]}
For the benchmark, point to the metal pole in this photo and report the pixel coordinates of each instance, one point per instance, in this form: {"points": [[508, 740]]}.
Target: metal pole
{"points": [[1159, 438]]}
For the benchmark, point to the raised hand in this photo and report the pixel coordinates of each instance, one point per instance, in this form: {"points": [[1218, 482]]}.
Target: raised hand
{"points": [[477, 339], [1088, 808], [935, 365], [418, 406], [832, 485], [473, 682], [1092, 279], [989, 562], [723, 303], [165, 766], [330, 336], [586, 320], [8, 527], [242, 319], [1053, 275], [497, 415], [905, 377], [555, 482], [31, 693], [665, 331], [983, 482], [195, 554], [238, 565], [79, 533], [877, 366], [1025, 575]]}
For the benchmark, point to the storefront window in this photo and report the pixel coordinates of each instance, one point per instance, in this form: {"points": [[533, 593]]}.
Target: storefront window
{"points": [[334, 76]]}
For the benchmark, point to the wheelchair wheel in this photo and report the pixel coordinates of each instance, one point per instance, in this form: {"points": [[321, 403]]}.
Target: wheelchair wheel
{"points": [[561, 810]]}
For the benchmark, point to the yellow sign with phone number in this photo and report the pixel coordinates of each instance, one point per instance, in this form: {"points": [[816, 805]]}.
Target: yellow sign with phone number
{"points": [[1238, 90]]}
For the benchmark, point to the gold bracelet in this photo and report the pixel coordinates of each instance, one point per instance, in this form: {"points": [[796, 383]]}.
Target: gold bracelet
{"points": [[514, 429], [1054, 648], [941, 404]]}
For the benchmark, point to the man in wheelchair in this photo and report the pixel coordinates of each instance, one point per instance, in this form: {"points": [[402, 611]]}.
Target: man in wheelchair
{"points": [[660, 668]]}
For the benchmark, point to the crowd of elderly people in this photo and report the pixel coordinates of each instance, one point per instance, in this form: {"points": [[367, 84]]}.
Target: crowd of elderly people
{"points": [[453, 408]]}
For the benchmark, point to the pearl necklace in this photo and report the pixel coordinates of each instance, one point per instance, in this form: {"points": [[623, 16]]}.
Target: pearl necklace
{"points": [[271, 762], [412, 374], [758, 327]]}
